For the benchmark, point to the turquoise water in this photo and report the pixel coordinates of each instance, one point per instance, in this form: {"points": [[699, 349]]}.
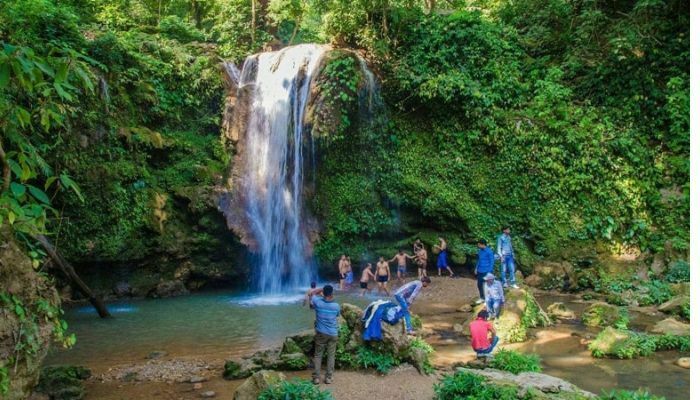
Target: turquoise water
{"points": [[217, 323]]}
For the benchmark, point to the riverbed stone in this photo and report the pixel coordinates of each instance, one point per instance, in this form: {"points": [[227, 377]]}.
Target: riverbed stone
{"points": [[675, 305], [600, 314], [671, 326], [540, 386], [560, 311], [683, 362], [259, 381], [238, 369]]}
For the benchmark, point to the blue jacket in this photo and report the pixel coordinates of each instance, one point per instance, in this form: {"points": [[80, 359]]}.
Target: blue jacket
{"points": [[485, 262]]}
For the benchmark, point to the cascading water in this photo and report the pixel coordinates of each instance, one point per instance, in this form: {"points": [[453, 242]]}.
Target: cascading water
{"points": [[272, 175]]}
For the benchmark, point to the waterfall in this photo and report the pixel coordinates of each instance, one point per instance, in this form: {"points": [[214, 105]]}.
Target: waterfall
{"points": [[272, 172]]}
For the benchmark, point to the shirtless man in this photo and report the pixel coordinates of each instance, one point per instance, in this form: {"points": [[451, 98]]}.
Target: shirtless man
{"points": [[349, 277], [401, 258], [364, 280], [442, 258], [342, 270], [383, 275], [422, 261]]}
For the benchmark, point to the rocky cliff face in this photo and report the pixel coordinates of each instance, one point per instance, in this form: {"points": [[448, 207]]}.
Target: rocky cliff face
{"points": [[30, 308]]}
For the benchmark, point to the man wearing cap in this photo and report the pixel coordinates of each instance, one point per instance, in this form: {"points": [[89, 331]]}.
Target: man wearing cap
{"points": [[493, 293], [327, 312], [484, 265], [479, 330]]}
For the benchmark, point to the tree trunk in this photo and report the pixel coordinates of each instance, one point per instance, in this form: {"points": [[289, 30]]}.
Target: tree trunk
{"points": [[6, 173], [72, 276]]}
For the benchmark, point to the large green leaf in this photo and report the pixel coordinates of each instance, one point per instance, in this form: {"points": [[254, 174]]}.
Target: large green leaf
{"points": [[39, 194], [18, 189]]}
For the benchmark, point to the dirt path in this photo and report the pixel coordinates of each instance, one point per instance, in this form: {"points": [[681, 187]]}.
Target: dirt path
{"points": [[437, 307]]}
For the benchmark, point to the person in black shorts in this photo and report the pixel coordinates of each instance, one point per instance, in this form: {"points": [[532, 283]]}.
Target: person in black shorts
{"points": [[364, 280]]}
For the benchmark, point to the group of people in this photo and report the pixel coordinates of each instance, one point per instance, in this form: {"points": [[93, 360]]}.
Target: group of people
{"points": [[491, 293]]}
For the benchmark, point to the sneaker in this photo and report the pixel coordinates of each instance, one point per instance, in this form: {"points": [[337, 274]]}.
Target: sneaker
{"points": [[514, 286], [328, 380], [316, 381], [480, 301]]}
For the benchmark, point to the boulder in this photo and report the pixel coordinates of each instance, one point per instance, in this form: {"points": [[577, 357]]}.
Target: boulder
{"points": [[293, 362], [671, 326], [675, 305], [63, 382], [304, 340], [683, 362], [168, 289], [259, 381], [352, 315], [540, 386], [290, 346], [122, 289], [600, 314], [609, 340], [22, 285], [511, 326], [237, 369], [267, 359], [553, 275], [560, 311]]}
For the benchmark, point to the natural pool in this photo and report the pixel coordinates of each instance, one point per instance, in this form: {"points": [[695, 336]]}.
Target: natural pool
{"points": [[222, 324]]}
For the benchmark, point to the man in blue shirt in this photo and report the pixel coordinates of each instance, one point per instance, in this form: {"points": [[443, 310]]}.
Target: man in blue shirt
{"points": [[327, 312], [507, 256], [484, 265]]}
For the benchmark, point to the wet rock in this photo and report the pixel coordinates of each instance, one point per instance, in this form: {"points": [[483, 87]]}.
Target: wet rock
{"points": [[675, 305], [63, 382], [208, 394], [540, 386], [122, 289], [683, 362], [560, 311], [671, 326], [238, 369], [259, 381], [600, 314], [156, 354], [19, 279], [168, 289]]}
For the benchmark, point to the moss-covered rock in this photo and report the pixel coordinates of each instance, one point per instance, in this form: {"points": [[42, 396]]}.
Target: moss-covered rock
{"points": [[671, 326], [559, 311], [675, 305], [256, 383], [237, 369], [601, 314], [63, 382]]}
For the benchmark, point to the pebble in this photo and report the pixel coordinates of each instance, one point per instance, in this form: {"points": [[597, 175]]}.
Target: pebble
{"points": [[208, 394]]}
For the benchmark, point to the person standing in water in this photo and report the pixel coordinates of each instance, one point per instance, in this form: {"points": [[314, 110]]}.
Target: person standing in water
{"points": [[406, 295], [422, 261], [349, 276], [507, 256], [326, 338], [382, 276], [341, 271], [400, 259], [307, 298], [484, 265], [364, 279], [442, 258]]}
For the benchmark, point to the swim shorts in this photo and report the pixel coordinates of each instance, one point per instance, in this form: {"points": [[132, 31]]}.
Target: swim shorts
{"points": [[383, 278], [402, 269], [363, 285]]}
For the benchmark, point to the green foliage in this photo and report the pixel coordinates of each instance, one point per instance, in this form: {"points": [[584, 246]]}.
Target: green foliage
{"points": [[370, 358], [634, 344], [4, 378], [629, 395], [295, 389], [63, 382], [515, 362], [422, 345], [678, 271], [467, 386]]}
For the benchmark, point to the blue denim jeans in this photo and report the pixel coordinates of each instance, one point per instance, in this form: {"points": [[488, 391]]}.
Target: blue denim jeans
{"points": [[493, 306], [488, 350], [406, 313], [508, 270]]}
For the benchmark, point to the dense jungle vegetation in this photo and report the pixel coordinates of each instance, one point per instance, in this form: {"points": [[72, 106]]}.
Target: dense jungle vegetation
{"points": [[567, 119]]}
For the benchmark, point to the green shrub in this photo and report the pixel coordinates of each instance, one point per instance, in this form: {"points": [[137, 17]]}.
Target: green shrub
{"points": [[678, 271], [467, 386], [296, 389], [629, 395], [654, 292], [515, 362], [625, 344], [419, 343], [369, 358], [685, 311]]}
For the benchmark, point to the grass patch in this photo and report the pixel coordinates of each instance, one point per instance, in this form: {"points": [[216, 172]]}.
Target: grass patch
{"points": [[295, 389], [515, 362]]}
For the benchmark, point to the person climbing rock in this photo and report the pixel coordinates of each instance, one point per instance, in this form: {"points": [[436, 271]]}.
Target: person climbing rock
{"points": [[480, 328], [484, 265], [364, 279], [383, 275], [326, 325], [406, 295], [401, 259], [507, 256], [493, 294], [442, 258]]}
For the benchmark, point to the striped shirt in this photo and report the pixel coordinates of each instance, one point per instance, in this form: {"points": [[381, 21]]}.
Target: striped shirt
{"points": [[327, 313]]}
